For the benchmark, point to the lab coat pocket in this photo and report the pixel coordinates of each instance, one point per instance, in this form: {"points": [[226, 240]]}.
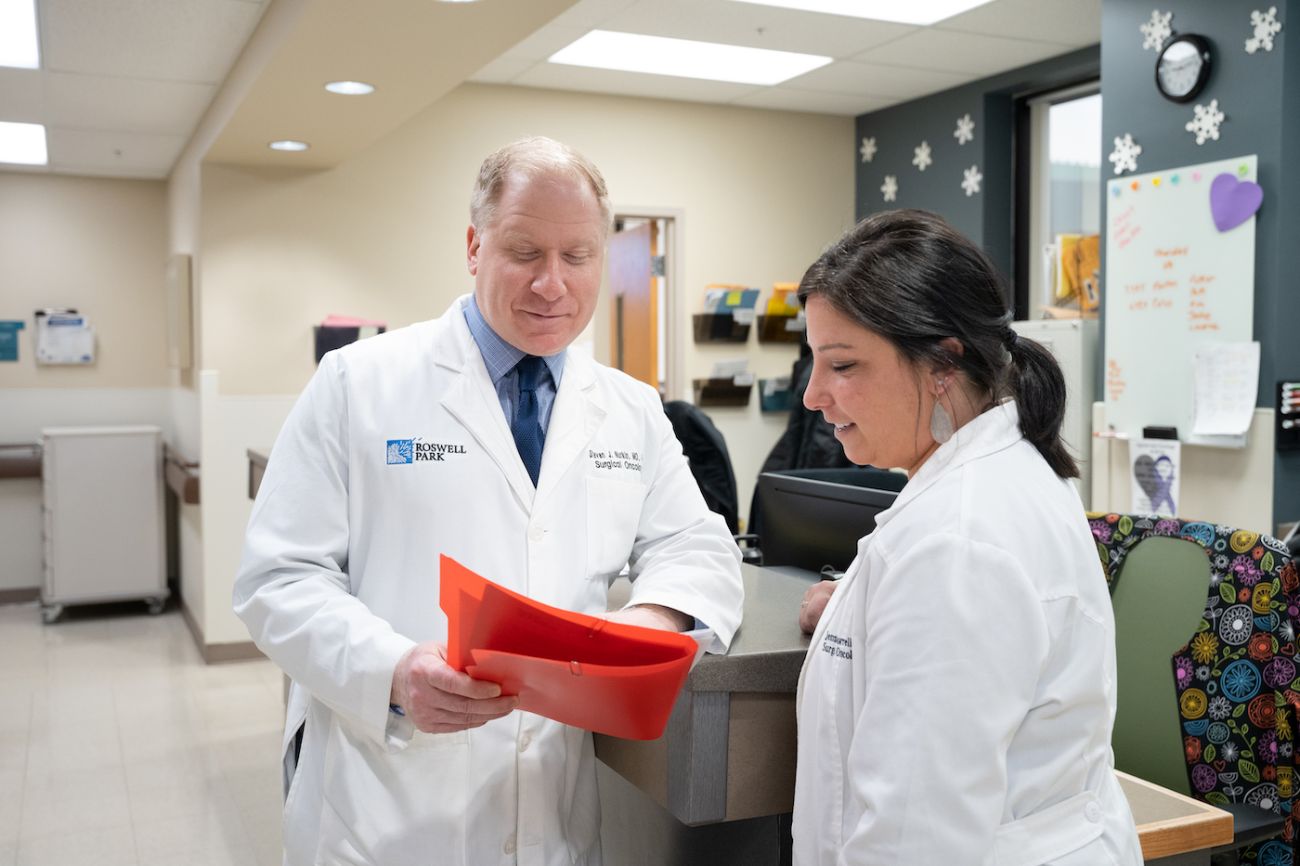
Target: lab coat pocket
{"points": [[613, 517], [1066, 834], [392, 809]]}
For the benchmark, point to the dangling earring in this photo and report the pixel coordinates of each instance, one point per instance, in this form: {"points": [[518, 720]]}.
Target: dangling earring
{"points": [[941, 428]]}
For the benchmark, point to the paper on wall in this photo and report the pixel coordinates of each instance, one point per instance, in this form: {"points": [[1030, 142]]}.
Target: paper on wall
{"points": [[64, 338], [1153, 477], [1227, 379]]}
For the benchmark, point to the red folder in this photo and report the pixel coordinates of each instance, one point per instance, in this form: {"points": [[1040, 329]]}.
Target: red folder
{"points": [[581, 670]]}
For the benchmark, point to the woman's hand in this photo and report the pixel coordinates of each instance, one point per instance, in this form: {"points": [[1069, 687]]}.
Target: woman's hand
{"points": [[814, 602]]}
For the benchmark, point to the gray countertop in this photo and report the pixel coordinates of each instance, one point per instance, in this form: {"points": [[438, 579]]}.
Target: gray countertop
{"points": [[768, 650]]}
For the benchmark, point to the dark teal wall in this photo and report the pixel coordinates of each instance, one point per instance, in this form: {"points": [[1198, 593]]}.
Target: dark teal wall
{"points": [[987, 216], [1259, 93], [1260, 96]]}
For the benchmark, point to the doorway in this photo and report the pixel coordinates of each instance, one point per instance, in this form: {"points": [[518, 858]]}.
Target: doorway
{"points": [[640, 341]]}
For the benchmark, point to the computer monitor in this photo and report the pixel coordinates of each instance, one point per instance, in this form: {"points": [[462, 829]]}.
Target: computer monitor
{"points": [[809, 524]]}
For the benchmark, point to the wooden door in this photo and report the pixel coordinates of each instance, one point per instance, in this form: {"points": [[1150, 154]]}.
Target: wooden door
{"points": [[634, 308]]}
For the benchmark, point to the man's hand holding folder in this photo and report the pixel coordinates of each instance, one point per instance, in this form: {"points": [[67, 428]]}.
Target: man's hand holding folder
{"points": [[439, 699], [586, 671]]}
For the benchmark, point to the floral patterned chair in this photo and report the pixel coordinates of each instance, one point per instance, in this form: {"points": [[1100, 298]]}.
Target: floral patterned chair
{"points": [[1235, 678]]}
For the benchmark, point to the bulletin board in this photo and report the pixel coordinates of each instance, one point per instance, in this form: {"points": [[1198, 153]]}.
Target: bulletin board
{"points": [[1174, 282]]}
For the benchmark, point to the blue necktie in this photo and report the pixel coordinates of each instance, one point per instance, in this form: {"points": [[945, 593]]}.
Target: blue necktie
{"points": [[526, 426]]}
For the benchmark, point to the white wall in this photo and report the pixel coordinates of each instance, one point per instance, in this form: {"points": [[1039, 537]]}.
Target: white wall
{"points": [[231, 424]]}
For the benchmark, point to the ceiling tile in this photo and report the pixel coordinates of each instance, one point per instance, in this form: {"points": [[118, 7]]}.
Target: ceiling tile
{"points": [[790, 99], [589, 14], [546, 41], [141, 105], [869, 79], [122, 154], [970, 53], [503, 70], [756, 26], [1071, 22], [22, 95], [180, 40], [557, 76]]}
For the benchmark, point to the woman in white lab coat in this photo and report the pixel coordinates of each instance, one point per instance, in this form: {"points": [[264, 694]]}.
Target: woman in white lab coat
{"points": [[958, 696]]}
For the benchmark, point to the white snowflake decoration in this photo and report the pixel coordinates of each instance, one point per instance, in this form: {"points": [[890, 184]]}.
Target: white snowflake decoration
{"points": [[890, 188], [1125, 154], [1266, 25], [1157, 30], [868, 149], [1205, 124], [922, 156], [965, 130], [971, 178]]}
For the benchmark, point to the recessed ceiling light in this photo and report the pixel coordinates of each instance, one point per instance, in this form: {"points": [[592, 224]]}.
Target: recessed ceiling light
{"points": [[18, 44], [684, 58], [911, 12], [289, 144], [23, 143], [350, 88]]}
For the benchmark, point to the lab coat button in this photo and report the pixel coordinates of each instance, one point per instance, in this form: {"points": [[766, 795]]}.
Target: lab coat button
{"points": [[509, 847], [536, 533], [1092, 812], [525, 741]]}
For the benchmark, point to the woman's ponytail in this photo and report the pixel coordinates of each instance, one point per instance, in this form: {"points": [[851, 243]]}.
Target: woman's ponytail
{"points": [[911, 278], [1038, 386]]}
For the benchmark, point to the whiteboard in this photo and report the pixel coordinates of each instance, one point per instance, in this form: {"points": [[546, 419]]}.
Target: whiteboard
{"points": [[1174, 282]]}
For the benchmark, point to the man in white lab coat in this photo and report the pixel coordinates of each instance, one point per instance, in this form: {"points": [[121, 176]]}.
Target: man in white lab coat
{"points": [[476, 435]]}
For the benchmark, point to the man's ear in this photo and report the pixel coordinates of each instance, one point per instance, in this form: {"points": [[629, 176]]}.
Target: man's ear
{"points": [[471, 250]]}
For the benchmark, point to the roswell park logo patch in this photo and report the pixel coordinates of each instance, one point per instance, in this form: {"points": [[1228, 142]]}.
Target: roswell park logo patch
{"points": [[417, 450]]}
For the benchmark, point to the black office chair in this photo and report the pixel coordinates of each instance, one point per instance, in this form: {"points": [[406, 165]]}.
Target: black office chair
{"points": [[706, 453]]}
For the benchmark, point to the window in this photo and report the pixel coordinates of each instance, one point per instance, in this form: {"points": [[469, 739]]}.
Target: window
{"points": [[1059, 218]]}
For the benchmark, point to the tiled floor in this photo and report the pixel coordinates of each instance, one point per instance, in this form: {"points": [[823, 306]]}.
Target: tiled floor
{"points": [[120, 747]]}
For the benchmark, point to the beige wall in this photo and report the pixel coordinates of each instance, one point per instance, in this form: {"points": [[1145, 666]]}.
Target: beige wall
{"points": [[383, 235], [95, 244], [760, 193]]}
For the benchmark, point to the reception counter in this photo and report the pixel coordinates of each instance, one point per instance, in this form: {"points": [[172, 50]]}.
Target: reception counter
{"points": [[719, 785]]}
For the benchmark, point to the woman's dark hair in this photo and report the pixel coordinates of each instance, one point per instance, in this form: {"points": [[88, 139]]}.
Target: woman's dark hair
{"points": [[913, 279]]}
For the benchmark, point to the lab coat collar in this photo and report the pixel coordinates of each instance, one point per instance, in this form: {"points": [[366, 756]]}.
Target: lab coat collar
{"points": [[578, 412], [996, 429]]}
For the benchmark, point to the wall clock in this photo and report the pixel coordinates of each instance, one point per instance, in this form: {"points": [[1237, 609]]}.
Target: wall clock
{"points": [[1183, 67]]}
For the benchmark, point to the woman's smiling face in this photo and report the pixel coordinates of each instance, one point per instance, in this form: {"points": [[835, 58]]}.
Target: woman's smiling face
{"points": [[864, 386]]}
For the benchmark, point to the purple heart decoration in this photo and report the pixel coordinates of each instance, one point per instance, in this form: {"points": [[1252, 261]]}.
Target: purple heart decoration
{"points": [[1233, 201]]}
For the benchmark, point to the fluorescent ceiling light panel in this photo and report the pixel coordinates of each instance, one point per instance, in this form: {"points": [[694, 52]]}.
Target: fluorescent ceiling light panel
{"points": [[23, 143], [18, 44], [899, 11], [289, 145], [684, 58]]}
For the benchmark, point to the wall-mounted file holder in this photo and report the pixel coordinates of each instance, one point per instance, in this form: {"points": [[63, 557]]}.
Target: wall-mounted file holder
{"points": [[780, 329], [726, 327], [730, 391], [774, 395]]}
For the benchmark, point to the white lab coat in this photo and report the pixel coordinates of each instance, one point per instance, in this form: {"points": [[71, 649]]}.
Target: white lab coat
{"points": [[957, 700], [340, 577]]}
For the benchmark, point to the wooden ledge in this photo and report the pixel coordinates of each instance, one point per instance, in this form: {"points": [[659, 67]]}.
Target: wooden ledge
{"points": [[182, 476], [20, 460]]}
